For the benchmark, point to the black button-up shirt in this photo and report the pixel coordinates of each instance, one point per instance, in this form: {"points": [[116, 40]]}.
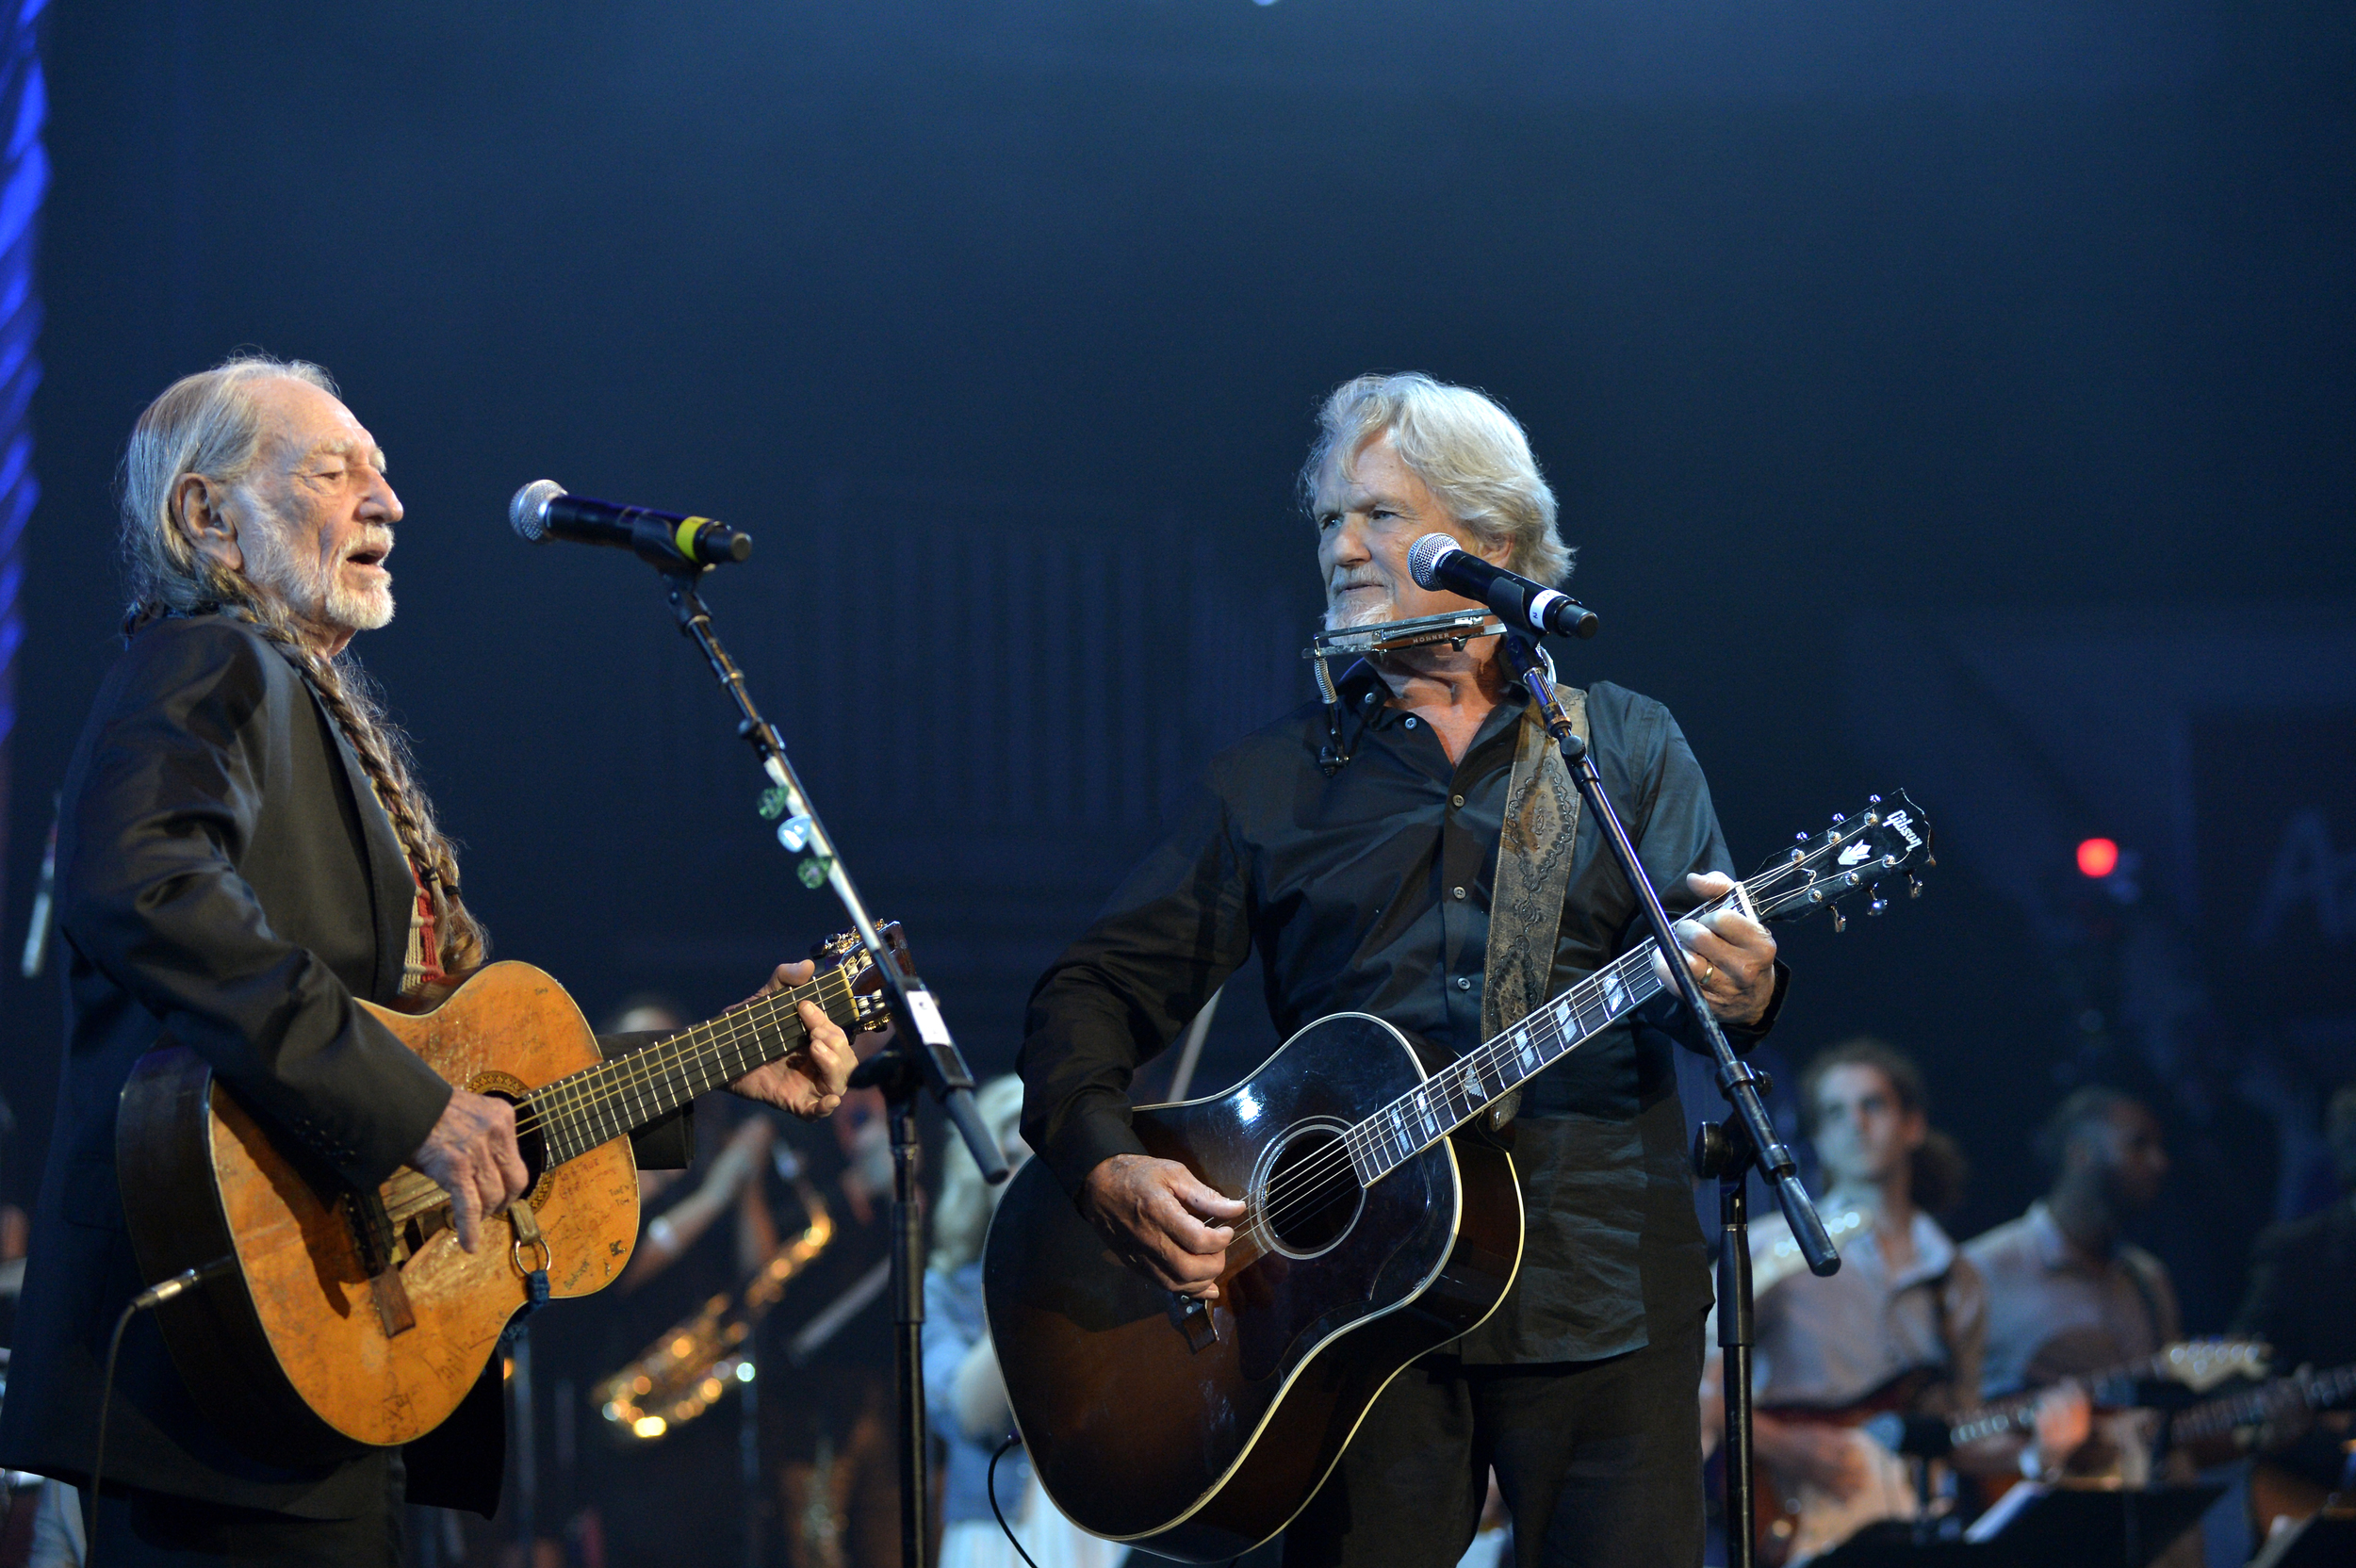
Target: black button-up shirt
{"points": [[1368, 890]]}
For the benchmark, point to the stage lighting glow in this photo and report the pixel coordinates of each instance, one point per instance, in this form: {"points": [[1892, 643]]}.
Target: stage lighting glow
{"points": [[2097, 856]]}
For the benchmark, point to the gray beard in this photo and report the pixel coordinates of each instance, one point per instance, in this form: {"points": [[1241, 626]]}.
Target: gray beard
{"points": [[1371, 614], [313, 589]]}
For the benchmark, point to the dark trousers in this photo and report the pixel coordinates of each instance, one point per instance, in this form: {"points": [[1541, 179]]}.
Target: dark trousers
{"points": [[148, 1529], [1599, 1462]]}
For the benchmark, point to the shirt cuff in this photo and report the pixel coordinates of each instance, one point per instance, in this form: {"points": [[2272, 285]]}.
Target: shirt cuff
{"points": [[1092, 1132]]}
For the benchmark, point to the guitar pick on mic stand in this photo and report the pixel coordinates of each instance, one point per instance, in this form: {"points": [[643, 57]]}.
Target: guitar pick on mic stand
{"points": [[1726, 1150], [922, 1057]]}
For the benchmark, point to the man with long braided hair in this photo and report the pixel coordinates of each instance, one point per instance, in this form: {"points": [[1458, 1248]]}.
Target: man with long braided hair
{"points": [[243, 853]]}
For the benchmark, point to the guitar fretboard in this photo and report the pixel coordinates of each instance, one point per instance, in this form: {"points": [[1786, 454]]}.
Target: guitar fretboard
{"points": [[2317, 1391], [597, 1104], [1474, 1082]]}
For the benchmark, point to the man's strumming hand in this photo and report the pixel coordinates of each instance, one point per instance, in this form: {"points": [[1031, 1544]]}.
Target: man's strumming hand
{"points": [[471, 1154], [1162, 1221]]}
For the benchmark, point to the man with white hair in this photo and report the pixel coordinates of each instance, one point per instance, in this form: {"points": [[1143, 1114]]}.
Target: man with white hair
{"points": [[243, 853], [1356, 847]]}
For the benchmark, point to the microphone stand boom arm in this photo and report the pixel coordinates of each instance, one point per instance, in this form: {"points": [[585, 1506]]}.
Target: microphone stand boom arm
{"points": [[922, 1057]]}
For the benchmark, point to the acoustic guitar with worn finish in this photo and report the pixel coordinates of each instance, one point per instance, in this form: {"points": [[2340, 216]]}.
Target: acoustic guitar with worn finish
{"points": [[353, 1319], [1381, 1224]]}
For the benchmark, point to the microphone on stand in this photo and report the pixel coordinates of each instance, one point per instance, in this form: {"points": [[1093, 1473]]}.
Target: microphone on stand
{"points": [[1437, 562], [543, 511]]}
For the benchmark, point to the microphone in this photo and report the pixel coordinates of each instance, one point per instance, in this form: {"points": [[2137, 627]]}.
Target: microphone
{"points": [[542, 511], [1438, 561]]}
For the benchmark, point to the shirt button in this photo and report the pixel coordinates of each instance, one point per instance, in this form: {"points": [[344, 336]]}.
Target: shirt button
{"points": [[1411, 724], [1459, 892], [1463, 982], [1457, 801]]}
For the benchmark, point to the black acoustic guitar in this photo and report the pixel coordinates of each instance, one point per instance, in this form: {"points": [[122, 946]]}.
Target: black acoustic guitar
{"points": [[1378, 1227]]}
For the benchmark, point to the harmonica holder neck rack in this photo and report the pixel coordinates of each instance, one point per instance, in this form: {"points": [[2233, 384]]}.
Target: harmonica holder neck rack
{"points": [[1457, 627]]}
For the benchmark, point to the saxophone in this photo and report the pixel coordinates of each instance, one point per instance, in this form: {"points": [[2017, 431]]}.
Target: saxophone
{"points": [[686, 1371]]}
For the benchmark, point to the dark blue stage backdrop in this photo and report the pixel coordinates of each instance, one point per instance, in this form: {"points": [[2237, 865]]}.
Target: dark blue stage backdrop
{"points": [[1953, 394]]}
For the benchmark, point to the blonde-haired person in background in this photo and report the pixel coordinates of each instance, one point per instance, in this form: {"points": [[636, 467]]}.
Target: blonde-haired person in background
{"points": [[243, 855], [965, 1396]]}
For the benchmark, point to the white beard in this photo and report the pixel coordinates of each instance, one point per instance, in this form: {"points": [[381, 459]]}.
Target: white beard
{"points": [[1374, 613], [312, 588]]}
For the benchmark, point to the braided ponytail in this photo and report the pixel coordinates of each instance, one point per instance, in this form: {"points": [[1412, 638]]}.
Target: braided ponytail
{"points": [[210, 424], [383, 751]]}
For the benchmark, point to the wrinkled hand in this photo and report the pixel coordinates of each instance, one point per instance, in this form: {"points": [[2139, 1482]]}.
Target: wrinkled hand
{"points": [[808, 1080], [1159, 1218], [1732, 956], [2065, 1419], [471, 1154]]}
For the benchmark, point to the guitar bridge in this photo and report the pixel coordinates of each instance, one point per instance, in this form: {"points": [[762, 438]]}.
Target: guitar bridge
{"points": [[1192, 1317], [381, 1251]]}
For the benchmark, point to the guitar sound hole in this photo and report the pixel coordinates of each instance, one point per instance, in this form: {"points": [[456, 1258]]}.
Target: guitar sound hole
{"points": [[1311, 1194], [529, 1143]]}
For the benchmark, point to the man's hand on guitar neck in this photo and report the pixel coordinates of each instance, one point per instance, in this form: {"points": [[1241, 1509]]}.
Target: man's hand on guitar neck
{"points": [[810, 1081], [1732, 956], [471, 1154], [1162, 1221]]}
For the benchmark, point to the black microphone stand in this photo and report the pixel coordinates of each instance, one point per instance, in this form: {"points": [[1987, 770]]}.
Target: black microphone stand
{"points": [[1744, 1139], [921, 1055]]}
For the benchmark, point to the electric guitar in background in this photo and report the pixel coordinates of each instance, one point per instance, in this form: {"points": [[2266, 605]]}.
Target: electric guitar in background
{"points": [[353, 1319], [1796, 1520], [2276, 1491], [1378, 1225]]}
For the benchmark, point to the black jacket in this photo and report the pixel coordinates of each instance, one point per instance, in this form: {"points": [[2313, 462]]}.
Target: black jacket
{"points": [[225, 875]]}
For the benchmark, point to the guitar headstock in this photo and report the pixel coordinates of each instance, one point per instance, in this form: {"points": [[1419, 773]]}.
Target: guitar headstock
{"points": [[846, 952], [1856, 854], [2201, 1364]]}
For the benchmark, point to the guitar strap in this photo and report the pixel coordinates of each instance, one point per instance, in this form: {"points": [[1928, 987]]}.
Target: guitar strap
{"points": [[1533, 873]]}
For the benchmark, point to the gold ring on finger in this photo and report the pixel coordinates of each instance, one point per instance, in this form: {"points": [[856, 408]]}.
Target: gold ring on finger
{"points": [[1709, 970]]}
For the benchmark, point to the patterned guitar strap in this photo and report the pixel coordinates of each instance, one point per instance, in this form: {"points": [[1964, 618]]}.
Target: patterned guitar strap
{"points": [[1533, 873]]}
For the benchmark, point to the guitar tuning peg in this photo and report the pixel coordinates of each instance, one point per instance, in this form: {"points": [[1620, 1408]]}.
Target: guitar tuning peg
{"points": [[1799, 837], [1839, 921], [1914, 885], [1872, 800], [1838, 819], [1878, 905]]}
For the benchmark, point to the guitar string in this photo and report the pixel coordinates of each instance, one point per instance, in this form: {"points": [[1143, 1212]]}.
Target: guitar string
{"points": [[1310, 1184], [1333, 1170], [1768, 899], [583, 1096], [595, 1088], [578, 1098], [574, 1108], [1633, 970], [1283, 1202]]}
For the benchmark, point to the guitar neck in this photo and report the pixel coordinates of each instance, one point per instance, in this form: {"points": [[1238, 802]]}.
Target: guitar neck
{"points": [[2316, 1391], [2188, 1362], [597, 1104], [1467, 1086]]}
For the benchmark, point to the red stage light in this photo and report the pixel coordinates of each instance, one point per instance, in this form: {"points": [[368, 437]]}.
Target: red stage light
{"points": [[2097, 856]]}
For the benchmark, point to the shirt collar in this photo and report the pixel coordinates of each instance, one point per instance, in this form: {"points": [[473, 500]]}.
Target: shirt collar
{"points": [[2053, 1248], [1934, 1252], [1366, 696]]}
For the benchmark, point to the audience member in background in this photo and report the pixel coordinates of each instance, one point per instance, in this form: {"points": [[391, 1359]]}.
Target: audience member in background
{"points": [[2069, 1296], [1904, 1302], [964, 1394], [2302, 1301]]}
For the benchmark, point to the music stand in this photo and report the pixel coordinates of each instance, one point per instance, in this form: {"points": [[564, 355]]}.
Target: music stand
{"points": [[2092, 1526]]}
